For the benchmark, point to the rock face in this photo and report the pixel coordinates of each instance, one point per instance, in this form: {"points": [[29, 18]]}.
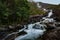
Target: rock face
{"points": [[52, 34], [35, 18], [56, 14]]}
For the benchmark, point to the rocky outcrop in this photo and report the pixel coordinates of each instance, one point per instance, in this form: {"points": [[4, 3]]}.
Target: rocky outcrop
{"points": [[34, 18], [52, 34]]}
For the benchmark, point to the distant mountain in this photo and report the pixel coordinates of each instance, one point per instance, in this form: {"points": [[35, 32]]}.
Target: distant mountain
{"points": [[44, 5]]}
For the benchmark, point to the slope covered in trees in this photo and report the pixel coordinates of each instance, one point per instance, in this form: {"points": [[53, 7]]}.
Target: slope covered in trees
{"points": [[16, 11], [19, 11], [13, 11], [34, 10]]}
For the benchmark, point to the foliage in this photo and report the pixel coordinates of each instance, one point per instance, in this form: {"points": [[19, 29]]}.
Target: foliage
{"points": [[13, 11], [34, 10], [17, 11]]}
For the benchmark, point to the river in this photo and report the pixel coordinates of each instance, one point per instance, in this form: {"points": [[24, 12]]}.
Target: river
{"points": [[35, 30]]}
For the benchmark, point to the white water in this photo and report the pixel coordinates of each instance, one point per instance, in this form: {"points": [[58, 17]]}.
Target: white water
{"points": [[50, 13], [35, 30], [38, 5], [46, 20], [32, 33]]}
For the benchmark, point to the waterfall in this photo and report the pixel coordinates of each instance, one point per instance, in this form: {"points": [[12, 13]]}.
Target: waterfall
{"points": [[38, 5], [30, 26], [32, 32], [50, 13], [48, 19]]}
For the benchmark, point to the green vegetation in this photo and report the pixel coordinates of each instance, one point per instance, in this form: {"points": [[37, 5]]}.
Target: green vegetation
{"points": [[16, 11], [34, 10], [13, 11]]}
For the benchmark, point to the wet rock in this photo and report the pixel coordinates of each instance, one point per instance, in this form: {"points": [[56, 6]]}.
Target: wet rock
{"points": [[58, 24], [22, 33], [52, 34], [56, 14], [12, 37], [50, 26], [34, 18], [2, 35], [15, 28]]}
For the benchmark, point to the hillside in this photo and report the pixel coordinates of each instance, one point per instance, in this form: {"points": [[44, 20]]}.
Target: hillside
{"points": [[45, 5]]}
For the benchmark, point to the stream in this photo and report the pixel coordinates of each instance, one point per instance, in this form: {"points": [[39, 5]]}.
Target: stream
{"points": [[34, 30]]}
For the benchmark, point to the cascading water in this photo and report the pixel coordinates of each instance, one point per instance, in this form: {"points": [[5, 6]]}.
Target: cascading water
{"points": [[30, 26], [35, 30], [38, 5], [48, 19], [32, 32], [50, 13]]}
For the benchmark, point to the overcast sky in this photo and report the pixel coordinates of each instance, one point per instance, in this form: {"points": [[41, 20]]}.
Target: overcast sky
{"points": [[49, 1]]}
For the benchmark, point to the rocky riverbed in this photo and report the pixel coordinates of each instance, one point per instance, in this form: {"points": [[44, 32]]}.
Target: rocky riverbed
{"points": [[46, 29]]}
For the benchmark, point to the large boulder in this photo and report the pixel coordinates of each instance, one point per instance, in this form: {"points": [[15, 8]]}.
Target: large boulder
{"points": [[52, 34], [56, 13]]}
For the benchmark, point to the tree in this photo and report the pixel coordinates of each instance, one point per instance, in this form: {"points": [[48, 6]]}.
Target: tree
{"points": [[22, 9], [13, 11]]}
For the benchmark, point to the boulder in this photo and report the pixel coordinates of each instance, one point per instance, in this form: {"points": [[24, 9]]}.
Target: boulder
{"points": [[52, 34], [56, 13]]}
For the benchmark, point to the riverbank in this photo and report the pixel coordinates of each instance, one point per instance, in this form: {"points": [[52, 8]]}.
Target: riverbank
{"points": [[53, 34], [12, 30]]}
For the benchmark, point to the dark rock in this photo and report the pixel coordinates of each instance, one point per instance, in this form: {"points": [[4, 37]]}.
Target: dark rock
{"points": [[56, 13], [52, 34], [22, 33], [50, 26], [15, 28], [34, 18], [2, 35]]}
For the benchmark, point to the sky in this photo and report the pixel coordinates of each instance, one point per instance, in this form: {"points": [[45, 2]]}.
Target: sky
{"points": [[49, 1]]}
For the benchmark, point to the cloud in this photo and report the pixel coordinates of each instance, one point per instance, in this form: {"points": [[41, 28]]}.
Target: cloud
{"points": [[49, 1]]}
